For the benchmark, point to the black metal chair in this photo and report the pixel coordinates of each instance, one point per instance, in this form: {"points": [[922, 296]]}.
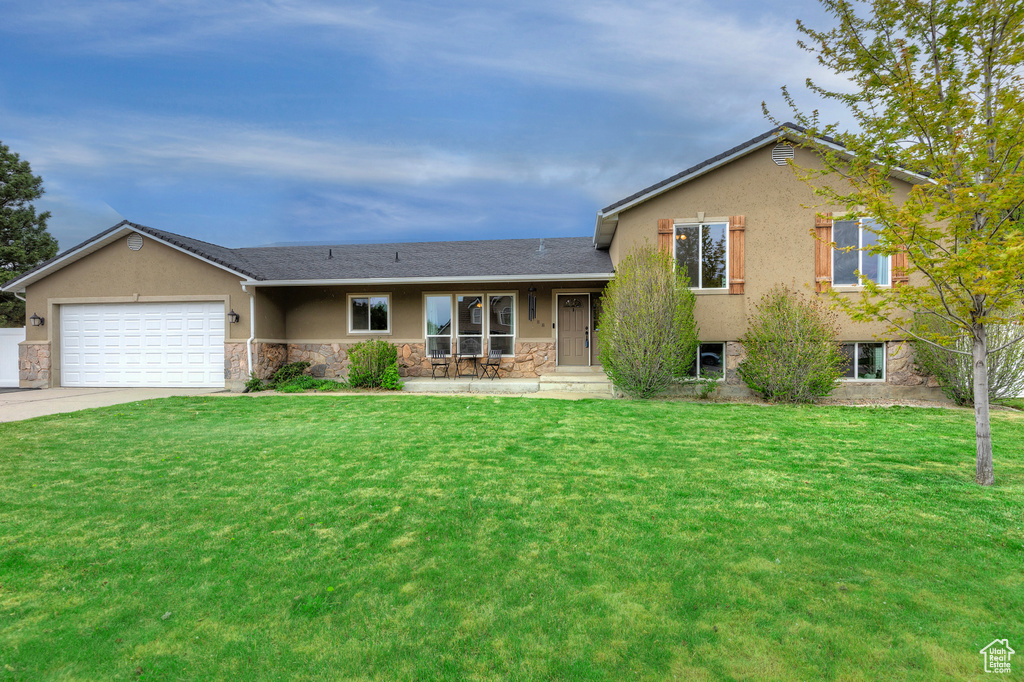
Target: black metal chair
{"points": [[493, 363], [438, 359]]}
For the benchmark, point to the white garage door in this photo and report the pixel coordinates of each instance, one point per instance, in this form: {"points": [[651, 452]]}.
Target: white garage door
{"points": [[142, 344]]}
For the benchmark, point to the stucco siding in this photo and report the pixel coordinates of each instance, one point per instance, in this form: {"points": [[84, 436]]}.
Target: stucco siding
{"points": [[318, 314], [779, 248], [115, 273]]}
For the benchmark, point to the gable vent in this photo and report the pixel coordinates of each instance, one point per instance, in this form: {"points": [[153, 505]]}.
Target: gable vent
{"points": [[781, 153], [135, 241]]}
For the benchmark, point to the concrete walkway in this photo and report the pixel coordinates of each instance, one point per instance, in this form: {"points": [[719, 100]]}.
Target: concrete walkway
{"points": [[16, 405]]}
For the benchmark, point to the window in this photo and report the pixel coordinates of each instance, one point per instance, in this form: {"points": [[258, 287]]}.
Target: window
{"points": [[369, 314], [469, 320], [702, 253], [474, 319], [864, 361], [710, 361], [439, 324], [501, 323], [854, 240]]}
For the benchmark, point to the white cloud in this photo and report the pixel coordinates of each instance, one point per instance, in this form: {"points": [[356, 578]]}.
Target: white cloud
{"points": [[673, 51], [163, 150]]}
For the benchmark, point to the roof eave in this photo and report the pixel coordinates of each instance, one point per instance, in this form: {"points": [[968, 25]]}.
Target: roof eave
{"points": [[473, 279], [95, 244], [607, 218]]}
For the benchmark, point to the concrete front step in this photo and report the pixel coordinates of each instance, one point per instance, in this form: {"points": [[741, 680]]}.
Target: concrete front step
{"points": [[484, 386], [591, 384], [571, 369], [597, 384]]}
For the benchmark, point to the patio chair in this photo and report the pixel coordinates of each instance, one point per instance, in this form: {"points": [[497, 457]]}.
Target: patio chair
{"points": [[438, 359], [493, 363]]}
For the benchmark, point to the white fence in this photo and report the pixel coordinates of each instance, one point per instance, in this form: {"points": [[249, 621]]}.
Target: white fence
{"points": [[9, 340]]}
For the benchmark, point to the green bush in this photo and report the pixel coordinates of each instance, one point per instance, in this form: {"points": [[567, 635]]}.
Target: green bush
{"points": [[648, 332], [254, 383], [793, 350], [304, 382], [286, 373], [391, 379], [955, 372], [374, 364]]}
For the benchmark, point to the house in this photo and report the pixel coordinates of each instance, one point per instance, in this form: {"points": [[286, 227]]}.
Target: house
{"points": [[136, 305]]}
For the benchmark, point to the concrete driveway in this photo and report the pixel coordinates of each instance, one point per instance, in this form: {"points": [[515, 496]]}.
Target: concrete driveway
{"points": [[28, 403]]}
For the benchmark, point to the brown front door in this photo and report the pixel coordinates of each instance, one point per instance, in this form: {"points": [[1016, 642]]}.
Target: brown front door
{"points": [[573, 329]]}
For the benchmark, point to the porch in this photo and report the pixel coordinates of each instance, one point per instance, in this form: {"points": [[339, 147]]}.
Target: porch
{"points": [[589, 382]]}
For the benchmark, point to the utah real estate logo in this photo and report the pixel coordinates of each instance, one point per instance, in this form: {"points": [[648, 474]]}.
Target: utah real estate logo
{"points": [[997, 656]]}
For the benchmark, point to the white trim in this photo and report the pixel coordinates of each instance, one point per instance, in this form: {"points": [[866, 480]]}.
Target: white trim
{"points": [[95, 245], [368, 296], [860, 259], [455, 319], [252, 331], [451, 321], [590, 323], [784, 134], [692, 176], [885, 362], [700, 252], [490, 279], [696, 361], [515, 317]]}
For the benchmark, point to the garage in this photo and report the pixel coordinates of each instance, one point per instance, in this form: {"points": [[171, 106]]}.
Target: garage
{"points": [[178, 344]]}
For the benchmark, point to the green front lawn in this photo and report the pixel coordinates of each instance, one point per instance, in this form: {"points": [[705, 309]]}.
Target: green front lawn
{"points": [[428, 537]]}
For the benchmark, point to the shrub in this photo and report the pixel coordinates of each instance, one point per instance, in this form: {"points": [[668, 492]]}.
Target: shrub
{"points": [[648, 332], [286, 373], [955, 372], [254, 384], [373, 364], [304, 382], [792, 346]]}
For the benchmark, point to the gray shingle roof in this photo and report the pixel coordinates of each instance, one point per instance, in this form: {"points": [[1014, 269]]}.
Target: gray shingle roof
{"points": [[480, 258], [487, 258], [774, 132]]}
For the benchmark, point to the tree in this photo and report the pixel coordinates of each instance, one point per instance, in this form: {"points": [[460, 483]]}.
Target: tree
{"points": [[955, 371], [648, 331], [24, 241], [935, 89]]}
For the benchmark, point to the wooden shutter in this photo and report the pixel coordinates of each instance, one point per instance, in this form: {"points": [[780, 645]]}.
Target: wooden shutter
{"points": [[900, 264], [665, 229], [823, 252], [737, 228]]}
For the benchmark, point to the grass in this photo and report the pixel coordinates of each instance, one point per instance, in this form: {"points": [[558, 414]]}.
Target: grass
{"points": [[1015, 403], [384, 537]]}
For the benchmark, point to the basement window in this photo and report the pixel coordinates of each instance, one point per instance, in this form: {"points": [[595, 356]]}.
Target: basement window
{"points": [[710, 361], [864, 361]]}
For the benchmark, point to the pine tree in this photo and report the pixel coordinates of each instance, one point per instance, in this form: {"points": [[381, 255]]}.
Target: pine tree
{"points": [[24, 241]]}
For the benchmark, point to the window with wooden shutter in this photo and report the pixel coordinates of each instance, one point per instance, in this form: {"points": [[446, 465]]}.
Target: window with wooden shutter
{"points": [[665, 235], [900, 265], [737, 228], [823, 252]]}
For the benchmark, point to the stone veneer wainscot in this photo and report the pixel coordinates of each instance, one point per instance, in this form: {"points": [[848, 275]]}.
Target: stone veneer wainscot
{"points": [[34, 365]]}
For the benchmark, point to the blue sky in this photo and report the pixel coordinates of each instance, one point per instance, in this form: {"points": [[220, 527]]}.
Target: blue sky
{"points": [[248, 123]]}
